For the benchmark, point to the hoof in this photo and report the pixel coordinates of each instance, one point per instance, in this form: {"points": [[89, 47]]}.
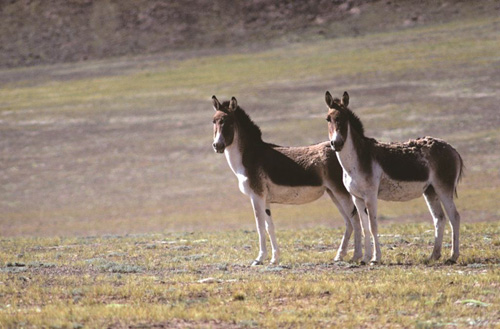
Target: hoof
{"points": [[374, 262], [431, 260], [450, 262], [257, 263], [355, 259], [434, 257]]}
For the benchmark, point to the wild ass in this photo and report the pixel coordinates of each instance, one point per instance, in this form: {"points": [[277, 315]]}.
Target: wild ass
{"points": [[395, 172], [269, 173]]}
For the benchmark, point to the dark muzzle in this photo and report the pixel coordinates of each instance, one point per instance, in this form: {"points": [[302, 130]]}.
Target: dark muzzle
{"points": [[337, 145], [219, 147]]}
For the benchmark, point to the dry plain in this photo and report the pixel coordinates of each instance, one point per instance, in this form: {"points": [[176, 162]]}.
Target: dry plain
{"points": [[114, 208]]}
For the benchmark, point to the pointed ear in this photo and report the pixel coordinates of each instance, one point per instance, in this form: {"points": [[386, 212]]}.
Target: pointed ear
{"points": [[215, 103], [329, 100], [233, 104], [345, 99]]}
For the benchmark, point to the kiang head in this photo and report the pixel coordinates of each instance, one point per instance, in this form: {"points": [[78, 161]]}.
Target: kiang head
{"points": [[338, 120], [224, 125]]}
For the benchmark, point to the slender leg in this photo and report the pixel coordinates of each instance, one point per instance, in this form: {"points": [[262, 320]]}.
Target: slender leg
{"points": [[438, 217], [342, 251], [371, 206], [454, 217], [345, 206], [360, 206], [356, 223], [272, 235], [258, 205]]}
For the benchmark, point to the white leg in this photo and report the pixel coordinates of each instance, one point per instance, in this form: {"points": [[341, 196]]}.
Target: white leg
{"points": [[272, 235], [346, 207], [356, 223], [371, 206], [454, 217], [360, 206], [342, 251], [258, 208], [438, 217]]}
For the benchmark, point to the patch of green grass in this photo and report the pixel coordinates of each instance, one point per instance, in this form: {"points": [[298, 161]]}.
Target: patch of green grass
{"points": [[203, 278]]}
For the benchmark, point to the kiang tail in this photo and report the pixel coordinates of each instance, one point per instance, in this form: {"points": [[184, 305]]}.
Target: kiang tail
{"points": [[460, 173]]}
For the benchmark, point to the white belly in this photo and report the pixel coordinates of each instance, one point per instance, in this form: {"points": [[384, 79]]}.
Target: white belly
{"points": [[293, 194], [391, 190]]}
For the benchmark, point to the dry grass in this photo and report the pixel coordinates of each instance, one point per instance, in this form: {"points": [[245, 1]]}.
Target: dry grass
{"points": [[203, 280]]}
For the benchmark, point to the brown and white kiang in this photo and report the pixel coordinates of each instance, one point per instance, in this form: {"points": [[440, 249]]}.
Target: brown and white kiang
{"points": [[395, 172], [269, 173]]}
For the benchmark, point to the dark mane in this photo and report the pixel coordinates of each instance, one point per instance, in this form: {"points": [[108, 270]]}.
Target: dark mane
{"points": [[247, 127], [356, 123]]}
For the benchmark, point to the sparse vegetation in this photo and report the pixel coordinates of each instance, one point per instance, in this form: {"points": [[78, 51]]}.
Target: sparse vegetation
{"points": [[204, 280], [97, 155]]}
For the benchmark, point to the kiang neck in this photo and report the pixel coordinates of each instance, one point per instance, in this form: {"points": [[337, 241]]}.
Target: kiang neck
{"points": [[234, 155], [349, 156], [235, 144], [245, 137]]}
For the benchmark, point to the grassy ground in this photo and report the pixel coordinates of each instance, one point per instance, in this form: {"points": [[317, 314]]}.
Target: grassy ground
{"points": [[202, 280], [96, 156]]}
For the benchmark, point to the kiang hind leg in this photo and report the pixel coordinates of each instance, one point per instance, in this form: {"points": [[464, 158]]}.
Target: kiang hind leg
{"points": [[438, 216], [446, 197], [352, 223], [342, 251]]}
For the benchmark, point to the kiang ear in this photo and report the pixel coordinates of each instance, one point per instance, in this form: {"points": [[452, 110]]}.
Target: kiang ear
{"points": [[216, 103], [345, 99], [329, 99], [233, 104]]}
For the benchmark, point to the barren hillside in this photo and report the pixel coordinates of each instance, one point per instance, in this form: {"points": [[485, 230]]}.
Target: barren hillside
{"points": [[51, 31]]}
